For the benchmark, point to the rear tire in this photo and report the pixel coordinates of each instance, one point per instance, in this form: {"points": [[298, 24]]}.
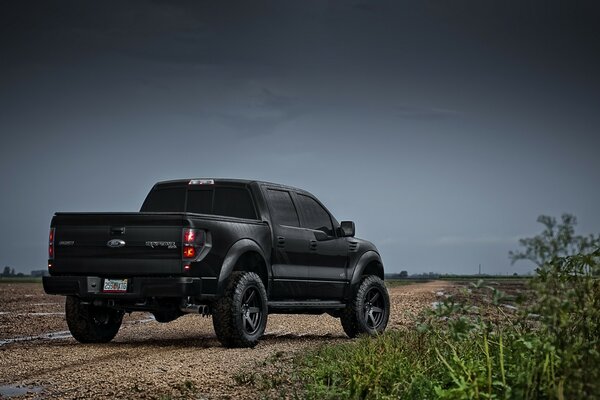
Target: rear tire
{"points": [[240, 315], [91, 324], [368, 310]]}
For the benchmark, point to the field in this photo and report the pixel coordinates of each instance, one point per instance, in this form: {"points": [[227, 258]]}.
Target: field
{"points": [[19, 279], [482, 339], [181, 359]]}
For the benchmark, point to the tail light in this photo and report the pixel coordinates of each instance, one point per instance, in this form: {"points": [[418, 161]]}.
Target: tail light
{"points": [[51, 245], [189, 235], [189, 251], [192, 242]]}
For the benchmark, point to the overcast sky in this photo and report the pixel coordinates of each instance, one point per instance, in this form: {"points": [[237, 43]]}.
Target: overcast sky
{"points": [[443, 128]]}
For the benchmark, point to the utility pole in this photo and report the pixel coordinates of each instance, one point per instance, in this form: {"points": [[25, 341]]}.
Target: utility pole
{"points": [[479, 269]]}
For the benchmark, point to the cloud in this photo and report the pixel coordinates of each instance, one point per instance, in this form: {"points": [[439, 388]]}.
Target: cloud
{"points": [[424, 113], [477, 240], [259, 110]]}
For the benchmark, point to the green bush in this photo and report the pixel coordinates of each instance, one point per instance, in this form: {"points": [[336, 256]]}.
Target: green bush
{"points": [[568, 302], [476, 346]]}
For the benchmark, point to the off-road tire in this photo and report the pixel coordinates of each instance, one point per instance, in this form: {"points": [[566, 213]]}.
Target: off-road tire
{"points": [[240, 317], [91, 324], [368, 311]]}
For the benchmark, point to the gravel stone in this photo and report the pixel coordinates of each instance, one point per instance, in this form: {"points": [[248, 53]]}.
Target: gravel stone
{"points": [[147, 359]]}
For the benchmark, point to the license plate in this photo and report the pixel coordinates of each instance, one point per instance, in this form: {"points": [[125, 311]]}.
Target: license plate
{"points": [[115, 285]]}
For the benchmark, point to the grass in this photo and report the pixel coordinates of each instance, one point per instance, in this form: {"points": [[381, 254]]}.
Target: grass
{"points": [[478, 344], [185, 389], [401, 282], [20, 279], [476, 278]]}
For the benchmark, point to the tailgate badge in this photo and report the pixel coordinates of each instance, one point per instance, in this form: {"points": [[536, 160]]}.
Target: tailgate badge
{"points": [[115, 243], [168, 245]]}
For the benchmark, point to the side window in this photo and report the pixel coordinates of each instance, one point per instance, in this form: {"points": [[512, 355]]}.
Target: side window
{"points": [[281, 207], [315, 216], [233, 202]]}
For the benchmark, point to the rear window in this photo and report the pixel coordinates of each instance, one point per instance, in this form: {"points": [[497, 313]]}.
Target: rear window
{"points": [[226, 201], [200, 201], [233, 202], [165, 200]]}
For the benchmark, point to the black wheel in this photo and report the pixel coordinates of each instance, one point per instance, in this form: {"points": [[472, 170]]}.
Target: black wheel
{"points": [[240, 315], [369, 310], [91, 324]]}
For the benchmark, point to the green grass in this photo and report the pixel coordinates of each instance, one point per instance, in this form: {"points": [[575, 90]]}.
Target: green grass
{"points": [[470, 347], [431, 364], [476, 278], [20, 279], [401, 282], [399, 364]]}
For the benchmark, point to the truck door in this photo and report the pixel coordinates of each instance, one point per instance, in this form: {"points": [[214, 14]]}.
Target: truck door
{"points": [[328, 253], [290, 257]]}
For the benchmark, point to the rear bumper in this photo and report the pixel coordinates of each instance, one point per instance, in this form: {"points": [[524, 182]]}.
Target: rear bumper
{"points": [[138, 287]]}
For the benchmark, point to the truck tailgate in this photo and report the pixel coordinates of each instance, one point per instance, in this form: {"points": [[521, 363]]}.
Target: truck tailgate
{"points": [[142, 244]]}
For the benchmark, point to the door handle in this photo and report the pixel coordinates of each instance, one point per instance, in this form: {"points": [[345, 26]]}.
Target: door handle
{"points": [[312, 245], [280, 241]]}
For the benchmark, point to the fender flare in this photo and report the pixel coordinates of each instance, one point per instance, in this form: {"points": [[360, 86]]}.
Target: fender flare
{"points": [[364, 260], [237, 250]]}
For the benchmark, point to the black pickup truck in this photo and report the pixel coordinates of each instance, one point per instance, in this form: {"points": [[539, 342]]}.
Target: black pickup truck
{"points": [[234, 249]]}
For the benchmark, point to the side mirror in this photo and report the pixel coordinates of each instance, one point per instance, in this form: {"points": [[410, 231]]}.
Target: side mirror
{"points": [[347, 228]]}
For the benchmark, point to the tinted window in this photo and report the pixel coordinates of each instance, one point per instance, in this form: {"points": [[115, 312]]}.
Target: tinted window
{"points": [[315, 216], [282, 208], [233, 202], [200, 201], [227, 201], [165, 200]]}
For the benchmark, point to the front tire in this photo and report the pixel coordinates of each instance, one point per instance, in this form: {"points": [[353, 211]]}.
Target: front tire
{"points": [[240, 315], [368, 310], [91, 324]]}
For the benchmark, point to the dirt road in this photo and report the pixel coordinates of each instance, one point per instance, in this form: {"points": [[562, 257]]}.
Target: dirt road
{"points": [[148, 359]]}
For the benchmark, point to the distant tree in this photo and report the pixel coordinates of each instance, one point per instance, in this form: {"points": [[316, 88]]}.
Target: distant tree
{"points": [[556, 240], [6, 271], [403, 274]]}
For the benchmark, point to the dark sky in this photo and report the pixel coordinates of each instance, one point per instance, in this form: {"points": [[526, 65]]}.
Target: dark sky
{"points": [[443, 128]]}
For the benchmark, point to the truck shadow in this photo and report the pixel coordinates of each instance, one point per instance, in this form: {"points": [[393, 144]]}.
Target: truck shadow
{"points": [[199, 340], [210, 341], [205, 341]]}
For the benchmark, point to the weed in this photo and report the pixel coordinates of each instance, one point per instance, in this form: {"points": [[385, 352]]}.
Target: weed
{"points": [[478, 344], [245, 378]]}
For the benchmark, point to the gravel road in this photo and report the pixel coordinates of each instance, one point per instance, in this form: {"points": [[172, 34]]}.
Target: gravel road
{"points": [[148, 359]]}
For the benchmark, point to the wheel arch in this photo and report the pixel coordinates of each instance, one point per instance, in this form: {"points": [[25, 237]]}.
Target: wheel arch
{"points": [[368, 264], [244, 255]]}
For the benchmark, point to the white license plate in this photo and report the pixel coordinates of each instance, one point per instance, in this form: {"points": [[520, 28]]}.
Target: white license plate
{"points": [[115, 285]]}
